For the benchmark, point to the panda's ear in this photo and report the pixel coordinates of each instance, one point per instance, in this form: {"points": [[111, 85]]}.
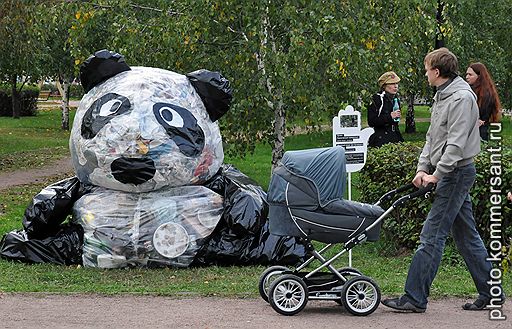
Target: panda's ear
{"points": [[101, 66], [214, 90]]}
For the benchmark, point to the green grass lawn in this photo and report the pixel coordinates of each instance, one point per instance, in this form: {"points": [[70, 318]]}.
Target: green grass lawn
{"points": [[42, 131], [36, 138], [389, 273], [31, 142]]}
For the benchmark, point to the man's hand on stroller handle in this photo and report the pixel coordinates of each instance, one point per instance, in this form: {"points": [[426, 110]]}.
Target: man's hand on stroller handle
{"points": [[421, 191], [424, 179]]}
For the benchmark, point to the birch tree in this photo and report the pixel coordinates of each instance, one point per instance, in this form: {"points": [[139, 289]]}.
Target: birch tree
{"points": [[54, 25]]}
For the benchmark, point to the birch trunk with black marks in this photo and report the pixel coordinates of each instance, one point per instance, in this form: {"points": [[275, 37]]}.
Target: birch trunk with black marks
{"points": [[274, 99], [64, 88]]}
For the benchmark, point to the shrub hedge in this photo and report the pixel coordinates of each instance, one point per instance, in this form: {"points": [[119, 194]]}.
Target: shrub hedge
{"points": [[28, 98], [394, 165]]}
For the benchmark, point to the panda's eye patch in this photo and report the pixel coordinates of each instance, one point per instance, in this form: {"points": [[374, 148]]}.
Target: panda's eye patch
{"points": [[102, 111], [181, 126], [171, 117]]}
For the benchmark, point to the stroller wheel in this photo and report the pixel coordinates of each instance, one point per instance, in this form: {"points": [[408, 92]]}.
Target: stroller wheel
{"points": [[348, 272], [360, 295], [267, 277], [288, 294]]}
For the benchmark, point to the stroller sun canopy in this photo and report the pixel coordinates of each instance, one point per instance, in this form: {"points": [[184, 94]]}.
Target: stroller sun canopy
{"points": [[305, 198], [326, 167]]}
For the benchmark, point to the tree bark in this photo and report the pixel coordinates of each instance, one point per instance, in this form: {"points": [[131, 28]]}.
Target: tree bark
{"points": [[274, 99], [15, 98], [279, 132], [410, 122], [64, 88]]}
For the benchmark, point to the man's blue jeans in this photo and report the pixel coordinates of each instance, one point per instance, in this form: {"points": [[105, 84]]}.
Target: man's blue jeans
{"points": [[451, 210]]}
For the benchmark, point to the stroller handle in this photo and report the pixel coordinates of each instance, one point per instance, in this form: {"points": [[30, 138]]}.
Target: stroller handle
{"points": [[389, 195], [424, 191]]}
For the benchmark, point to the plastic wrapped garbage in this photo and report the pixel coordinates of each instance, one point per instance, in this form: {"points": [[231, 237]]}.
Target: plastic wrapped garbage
{"points": [[242, 236], [63, 248], [162, 228], [142, 130], [145, 142]]}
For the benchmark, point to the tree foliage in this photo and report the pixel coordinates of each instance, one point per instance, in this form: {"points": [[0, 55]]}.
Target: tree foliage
{"points": [[481, 33], [289, 61], [53, 28], [19, 47]]}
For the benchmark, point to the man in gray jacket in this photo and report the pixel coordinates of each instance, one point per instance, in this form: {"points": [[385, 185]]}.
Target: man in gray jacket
{"points": [[447, 160]]}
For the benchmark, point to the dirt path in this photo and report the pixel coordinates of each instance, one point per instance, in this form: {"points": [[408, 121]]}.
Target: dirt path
{"points": [[31, 176], [94, 311]]}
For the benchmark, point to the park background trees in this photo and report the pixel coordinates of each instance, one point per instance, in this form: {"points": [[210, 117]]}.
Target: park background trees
{"points": [[18, 46], [289, 61]]}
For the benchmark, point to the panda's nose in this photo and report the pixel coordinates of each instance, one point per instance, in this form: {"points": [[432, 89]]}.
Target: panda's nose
{"points": [[133, 170]]}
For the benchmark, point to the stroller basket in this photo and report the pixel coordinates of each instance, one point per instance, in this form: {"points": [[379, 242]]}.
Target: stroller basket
{"points": [[306, 199]]}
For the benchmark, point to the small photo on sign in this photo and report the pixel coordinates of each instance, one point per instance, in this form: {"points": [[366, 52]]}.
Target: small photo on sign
{"points": [[348, 121]]}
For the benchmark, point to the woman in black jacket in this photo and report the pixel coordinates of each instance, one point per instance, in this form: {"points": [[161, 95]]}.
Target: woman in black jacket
{"points": [[488, 100], [384, 112]]}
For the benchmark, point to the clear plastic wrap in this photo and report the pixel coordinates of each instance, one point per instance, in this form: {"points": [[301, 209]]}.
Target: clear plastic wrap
{"points": [[162, 228], [142, 130]]}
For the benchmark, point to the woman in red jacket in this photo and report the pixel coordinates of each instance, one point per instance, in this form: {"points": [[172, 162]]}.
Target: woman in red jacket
{"points": [[384, 112]]}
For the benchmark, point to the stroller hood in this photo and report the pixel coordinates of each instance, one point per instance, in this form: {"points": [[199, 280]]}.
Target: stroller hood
{"points": [[325, 167], [305, 198]]}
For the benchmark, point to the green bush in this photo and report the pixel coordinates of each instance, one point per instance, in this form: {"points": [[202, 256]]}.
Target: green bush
{"points": [[481, 193], [394, 165], [389, 167], [76, 91], [28, 98]]}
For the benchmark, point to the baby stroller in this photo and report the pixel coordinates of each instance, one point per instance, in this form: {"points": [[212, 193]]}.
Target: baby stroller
{"points": [[306, 201]]}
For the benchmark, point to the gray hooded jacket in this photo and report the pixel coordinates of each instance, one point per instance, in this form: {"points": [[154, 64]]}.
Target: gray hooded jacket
{"points": [[453, 138]]}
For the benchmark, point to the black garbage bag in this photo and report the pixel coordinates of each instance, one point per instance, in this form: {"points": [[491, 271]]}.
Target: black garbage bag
{"points": [[214, 90], [64, 248], [245, 203], [50, 207], [241, 237]]}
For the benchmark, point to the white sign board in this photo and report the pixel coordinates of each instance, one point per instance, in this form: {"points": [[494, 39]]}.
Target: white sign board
{"points": [[346, 132]]}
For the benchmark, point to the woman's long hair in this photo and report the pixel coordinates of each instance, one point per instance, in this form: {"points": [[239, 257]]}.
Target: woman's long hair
{"points": [[485, 90]]}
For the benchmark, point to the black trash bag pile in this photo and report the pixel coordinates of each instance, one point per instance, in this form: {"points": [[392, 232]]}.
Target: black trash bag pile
{"points": [[50, 207], [63, 248], [45, 239], [242, 237]]}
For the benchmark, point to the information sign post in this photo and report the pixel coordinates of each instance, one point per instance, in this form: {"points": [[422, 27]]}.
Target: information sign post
{"points": [[347, 133]]}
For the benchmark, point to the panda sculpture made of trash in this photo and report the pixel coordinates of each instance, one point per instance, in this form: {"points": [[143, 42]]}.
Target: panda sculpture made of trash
{"points": [[150, 188], [145, 139]]}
